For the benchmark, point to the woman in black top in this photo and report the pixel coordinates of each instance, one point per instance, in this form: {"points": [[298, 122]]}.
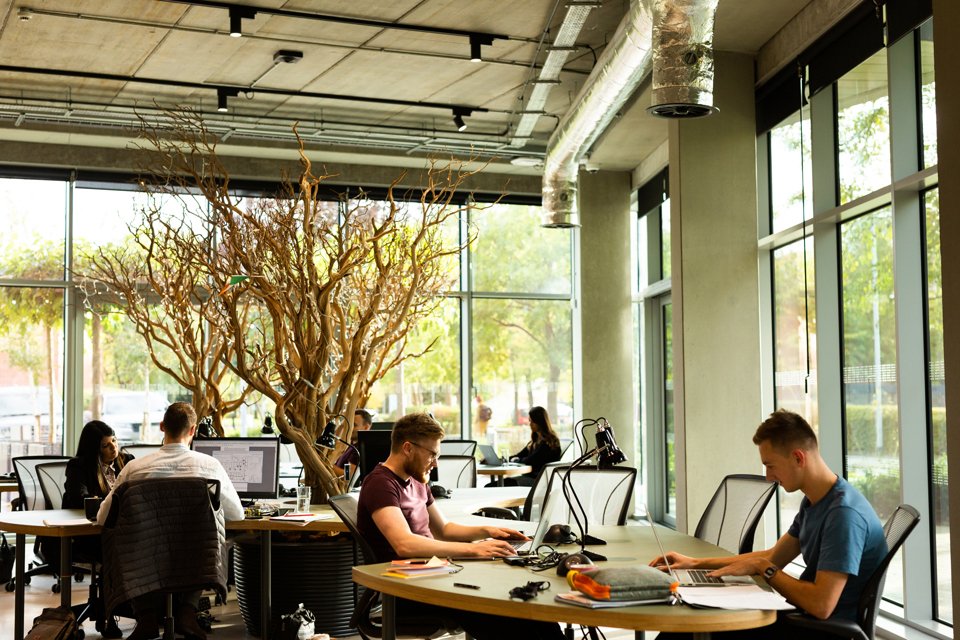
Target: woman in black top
{"points": [[543, 448], [96, 466], [92, 474]]}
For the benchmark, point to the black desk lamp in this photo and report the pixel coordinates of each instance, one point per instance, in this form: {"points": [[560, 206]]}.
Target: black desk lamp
{"points": [[608, 454], [329, 438]]}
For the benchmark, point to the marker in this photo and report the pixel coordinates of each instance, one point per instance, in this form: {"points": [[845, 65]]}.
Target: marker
{"points": [[465, 586]]}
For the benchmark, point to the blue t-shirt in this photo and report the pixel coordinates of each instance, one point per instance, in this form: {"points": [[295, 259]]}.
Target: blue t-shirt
{"points": [[840, 533]]}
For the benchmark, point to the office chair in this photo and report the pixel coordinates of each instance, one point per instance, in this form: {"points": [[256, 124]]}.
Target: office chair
{"points": [[458, 447], [896, 530], [733, 513], [46, 550], [52, 476], [176, 519], [534, 501], [364, 618], [604, 494], [457, 471], [565, 444]]}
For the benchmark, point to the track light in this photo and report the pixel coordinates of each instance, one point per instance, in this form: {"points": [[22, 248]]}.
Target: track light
{"points": [[458, 115], [222, 95], [476, 41], [237, 14]]}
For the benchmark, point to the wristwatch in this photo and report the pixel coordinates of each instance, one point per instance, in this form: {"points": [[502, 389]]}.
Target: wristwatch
{"points": [[770, 571]]}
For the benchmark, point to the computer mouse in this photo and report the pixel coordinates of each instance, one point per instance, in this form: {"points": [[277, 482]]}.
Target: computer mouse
{"points": [[439, 491], [572, 561], [559, 534]]}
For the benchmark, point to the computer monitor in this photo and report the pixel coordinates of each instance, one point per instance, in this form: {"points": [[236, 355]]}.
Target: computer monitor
{"points": [[381, 426], [251, 463], [374, 448]]}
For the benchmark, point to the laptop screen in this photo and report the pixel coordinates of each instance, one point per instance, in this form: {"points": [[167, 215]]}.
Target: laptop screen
{"points": [[489, 454], [252, 464]]}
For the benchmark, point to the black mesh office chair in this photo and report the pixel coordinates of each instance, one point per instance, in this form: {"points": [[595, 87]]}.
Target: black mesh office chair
{"points": [[365, 617], [896, 530], [46, 550], [457, 471], [730, 519]]}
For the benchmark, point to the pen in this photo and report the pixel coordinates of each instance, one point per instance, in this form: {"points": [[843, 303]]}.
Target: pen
{"points": [[465, 586]]}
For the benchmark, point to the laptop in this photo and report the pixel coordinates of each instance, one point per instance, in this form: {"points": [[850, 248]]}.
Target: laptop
{"points": [[696, 577], [490, 457]]}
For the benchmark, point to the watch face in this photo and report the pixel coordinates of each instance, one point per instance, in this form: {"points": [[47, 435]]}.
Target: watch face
{"points": [[769, 572]]}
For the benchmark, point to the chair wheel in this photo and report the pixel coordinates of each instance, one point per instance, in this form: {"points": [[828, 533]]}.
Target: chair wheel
{"points": [[56, 587], [26, 581], [10, 586], [78, 577]]}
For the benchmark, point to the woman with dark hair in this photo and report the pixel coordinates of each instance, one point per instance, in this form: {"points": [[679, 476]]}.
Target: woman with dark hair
{"points": [[93, 471], [543, 448], [92, 474]]}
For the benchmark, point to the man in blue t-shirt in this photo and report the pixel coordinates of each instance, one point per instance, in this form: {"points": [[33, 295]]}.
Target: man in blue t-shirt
{"points": [[836, 531]]}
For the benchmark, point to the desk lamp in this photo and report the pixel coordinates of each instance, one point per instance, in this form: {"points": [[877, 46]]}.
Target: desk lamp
{"points": [[608, 454], [329, 438]]}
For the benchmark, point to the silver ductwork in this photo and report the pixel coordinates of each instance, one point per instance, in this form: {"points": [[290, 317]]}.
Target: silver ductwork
{"points": [[624, 64], [683, 58]]}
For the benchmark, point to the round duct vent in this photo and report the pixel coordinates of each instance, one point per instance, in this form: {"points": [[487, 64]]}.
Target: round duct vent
{"points": [[681, 110]]}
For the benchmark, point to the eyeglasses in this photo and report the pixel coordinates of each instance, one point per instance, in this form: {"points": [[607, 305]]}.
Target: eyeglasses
{"points": [[433, 454]]}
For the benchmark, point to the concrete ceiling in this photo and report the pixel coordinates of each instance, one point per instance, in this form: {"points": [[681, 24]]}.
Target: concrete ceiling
{"points": [[149, 54]]}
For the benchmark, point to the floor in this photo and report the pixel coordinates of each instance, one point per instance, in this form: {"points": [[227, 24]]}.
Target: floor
{"points": [[228, 625]]}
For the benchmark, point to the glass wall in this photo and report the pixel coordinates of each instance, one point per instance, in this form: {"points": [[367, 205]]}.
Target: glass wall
{"points": [[32, 297], [858, 265], [519, 298]]}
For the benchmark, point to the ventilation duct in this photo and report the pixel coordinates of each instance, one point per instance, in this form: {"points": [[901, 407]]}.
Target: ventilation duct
{"points": [[624, 64], [683, 58]]}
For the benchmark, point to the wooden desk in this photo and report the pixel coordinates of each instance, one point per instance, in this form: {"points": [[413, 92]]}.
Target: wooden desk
{"points": [[503, 471], [627, 546], [23, 523], [9, 486]]}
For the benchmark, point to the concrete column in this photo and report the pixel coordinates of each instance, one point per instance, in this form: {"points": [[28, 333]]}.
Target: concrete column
{"points": [[946, 17], [713, 192], [605, 304]]}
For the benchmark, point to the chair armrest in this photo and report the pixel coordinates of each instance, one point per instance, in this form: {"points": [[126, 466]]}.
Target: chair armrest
{"points": [[496, 512], [839, 628]]}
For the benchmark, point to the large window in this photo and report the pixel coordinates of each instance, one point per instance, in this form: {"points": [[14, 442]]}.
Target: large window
{"points": [[844, 354], [863, 128], [521, 335]]}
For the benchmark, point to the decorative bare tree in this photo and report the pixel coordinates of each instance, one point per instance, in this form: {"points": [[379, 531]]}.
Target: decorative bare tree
{"points": [[314, 292], [157, 280]]}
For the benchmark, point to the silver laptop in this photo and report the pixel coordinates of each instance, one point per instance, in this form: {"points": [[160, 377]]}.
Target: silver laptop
{"points": [[490, 457], [695, 577]]}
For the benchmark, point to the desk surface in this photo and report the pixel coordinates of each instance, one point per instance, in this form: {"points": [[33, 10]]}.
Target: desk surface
{"points": [[463, 502], [627, 546], [506, 470]]}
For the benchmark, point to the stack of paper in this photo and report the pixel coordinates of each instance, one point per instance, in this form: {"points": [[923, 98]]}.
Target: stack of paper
{"points": [[419, 568], [734, 597], [302, 518]]}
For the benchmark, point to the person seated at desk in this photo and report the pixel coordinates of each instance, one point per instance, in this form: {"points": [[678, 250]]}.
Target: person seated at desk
{"points": [[362, 421], [397, 515], [173, 459], [91, 473], [836, 531], [543, 448]]}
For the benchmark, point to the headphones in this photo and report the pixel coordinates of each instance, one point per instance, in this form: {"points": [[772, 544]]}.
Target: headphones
{"points": [[572, 561]]}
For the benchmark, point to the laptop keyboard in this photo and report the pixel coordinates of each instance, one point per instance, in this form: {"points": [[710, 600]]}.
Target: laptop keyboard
{"points": [[699, 576]]}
